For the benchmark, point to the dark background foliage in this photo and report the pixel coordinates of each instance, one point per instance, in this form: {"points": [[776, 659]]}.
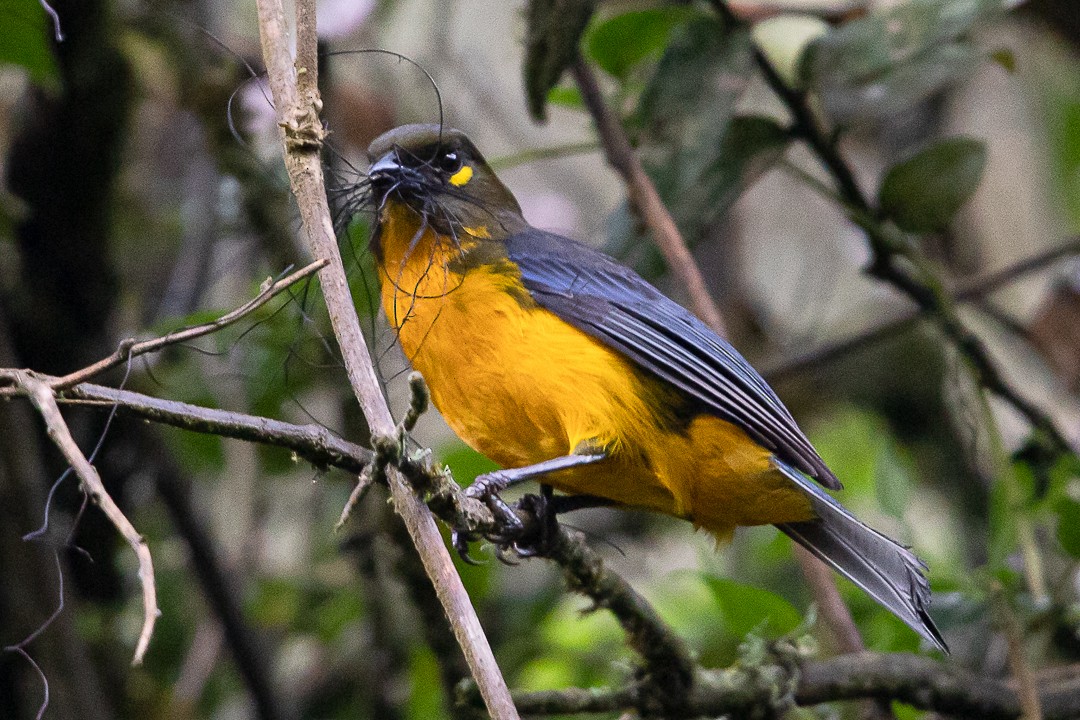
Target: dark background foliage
{"points": [[130, 207]]}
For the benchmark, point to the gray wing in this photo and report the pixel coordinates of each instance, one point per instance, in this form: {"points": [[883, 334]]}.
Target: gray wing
{"points": [[613, 304]]}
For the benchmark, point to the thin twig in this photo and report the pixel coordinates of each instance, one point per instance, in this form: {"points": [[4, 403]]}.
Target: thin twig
{"points": [[20, 647], [45, 401], [555, 152], [130, 347], [297, 103]]}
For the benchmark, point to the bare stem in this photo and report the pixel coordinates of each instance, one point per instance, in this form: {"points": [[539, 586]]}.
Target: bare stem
{"points": [[44, 400], [296, 99]]}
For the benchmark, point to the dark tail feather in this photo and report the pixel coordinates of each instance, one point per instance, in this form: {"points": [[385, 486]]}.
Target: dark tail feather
{"points": [[886, 570]]}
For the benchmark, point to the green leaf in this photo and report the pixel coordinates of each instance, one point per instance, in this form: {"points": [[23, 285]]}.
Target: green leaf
{"points": [[1068, 526], [883, 64], [750, 147], [701, 75], [426, 697], [747, 609], [892, 478], [923, 193], [568, 97], [277, 602], [553, 30], [27, 39], [620, 43], [1063, 120], [1006, 58]]}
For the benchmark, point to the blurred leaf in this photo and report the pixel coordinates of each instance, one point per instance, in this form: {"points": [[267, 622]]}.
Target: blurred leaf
{"points": [[784, 39], [553, 30], [902, 711], [575, 648], [277, 602], [702, 73], [1065, 495], [337, 612], [1068, 526], [426, 692], [847, 440], [747, 609], [750, 147], [1063, 116], [892, 479], [923, 194], [620, 43], [568, 97], [1006, 58], [1011, 497], [27, 33], [884, 63]]}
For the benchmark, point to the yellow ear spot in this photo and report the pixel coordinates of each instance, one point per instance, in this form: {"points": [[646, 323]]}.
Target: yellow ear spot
{"points": [[462, 176]]}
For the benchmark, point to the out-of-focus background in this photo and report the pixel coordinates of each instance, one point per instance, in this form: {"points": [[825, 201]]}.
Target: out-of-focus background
{"points": [[143, 191]]}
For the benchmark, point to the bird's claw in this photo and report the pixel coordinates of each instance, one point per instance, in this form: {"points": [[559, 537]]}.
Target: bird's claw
{"points": [[460, 540], [508, 535]]}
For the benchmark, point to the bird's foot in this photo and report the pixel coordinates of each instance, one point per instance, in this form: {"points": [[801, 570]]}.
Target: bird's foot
{"points": [[512, 537]]}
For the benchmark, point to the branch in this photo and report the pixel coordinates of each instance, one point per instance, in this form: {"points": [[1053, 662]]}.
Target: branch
{"points": [[45, 401], [297, 102], [312, 442], [739, 691]]}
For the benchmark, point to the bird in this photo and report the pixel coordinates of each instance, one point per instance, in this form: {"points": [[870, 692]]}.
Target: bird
{"points": [[564, 366]]}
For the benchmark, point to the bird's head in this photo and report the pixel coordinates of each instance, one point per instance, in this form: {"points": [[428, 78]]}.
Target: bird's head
{"points": [[439, 174]]}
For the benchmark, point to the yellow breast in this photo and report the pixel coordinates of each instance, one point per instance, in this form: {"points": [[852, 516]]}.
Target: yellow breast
{"points": [[520, 385]]}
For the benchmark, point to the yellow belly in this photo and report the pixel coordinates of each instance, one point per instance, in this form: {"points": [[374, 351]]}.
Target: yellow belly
{"points": [[519, 385]]}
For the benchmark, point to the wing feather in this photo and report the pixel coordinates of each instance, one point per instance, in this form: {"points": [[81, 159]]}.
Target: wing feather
{"points": [[612, 303]]}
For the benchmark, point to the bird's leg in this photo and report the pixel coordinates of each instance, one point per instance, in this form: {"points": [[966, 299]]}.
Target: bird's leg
{"points": [[487, 487]]}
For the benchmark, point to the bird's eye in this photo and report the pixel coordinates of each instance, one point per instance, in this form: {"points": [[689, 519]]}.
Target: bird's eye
{"points": [[450, 163], [457, 172]]}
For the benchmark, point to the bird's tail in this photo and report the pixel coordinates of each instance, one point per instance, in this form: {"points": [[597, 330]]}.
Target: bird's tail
{"points": [[889, 572]]}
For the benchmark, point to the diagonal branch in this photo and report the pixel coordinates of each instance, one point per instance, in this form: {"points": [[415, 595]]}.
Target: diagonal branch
{"points": [[45, 401], [297, 102]]}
